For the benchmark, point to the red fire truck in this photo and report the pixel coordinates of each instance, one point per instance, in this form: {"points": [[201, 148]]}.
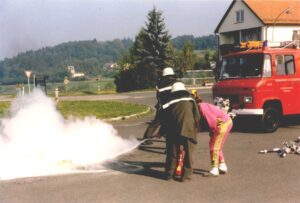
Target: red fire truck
{"points": [[261, 81]]}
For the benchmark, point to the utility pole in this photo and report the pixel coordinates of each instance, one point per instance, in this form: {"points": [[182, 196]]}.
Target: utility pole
{"points": [[28, 74], [285, 11]]}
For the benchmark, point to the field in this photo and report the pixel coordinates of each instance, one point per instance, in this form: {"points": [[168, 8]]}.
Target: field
{"points": [[101, 86], [3, 107], [91, 87], [99, 109]]}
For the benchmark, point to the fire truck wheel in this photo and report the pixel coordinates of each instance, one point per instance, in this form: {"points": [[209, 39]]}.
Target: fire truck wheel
{"points": [[270, 119]]}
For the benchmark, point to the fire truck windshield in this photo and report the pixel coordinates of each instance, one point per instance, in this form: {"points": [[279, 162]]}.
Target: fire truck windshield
{"points": [[242, 66]]}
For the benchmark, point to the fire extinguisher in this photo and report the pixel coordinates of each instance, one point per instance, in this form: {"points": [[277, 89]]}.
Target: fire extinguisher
{"points": [[179, 169]]}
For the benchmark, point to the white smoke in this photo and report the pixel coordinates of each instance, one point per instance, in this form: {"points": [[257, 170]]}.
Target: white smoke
{"points": [[36, 140]]}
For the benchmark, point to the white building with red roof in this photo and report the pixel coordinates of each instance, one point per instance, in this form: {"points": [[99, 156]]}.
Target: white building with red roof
{"points": [[258, 20]]}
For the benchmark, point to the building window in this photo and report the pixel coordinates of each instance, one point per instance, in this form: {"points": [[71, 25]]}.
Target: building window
{"points": [[239, 16], [253, 34]]}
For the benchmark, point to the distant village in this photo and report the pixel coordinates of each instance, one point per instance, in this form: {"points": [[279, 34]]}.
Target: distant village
{"points": [[107, 66]]}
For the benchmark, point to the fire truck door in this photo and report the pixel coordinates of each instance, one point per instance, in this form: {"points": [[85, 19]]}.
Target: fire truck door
{"points": [[288, 84]]}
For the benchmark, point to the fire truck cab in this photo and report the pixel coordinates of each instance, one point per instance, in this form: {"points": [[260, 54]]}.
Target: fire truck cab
{"points": [[261, 81]]}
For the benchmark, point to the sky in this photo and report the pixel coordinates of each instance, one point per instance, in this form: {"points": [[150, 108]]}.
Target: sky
{"points": [[33, 24]]}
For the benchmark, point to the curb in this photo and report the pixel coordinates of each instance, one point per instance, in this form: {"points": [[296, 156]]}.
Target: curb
{"points": [[127, 117]]}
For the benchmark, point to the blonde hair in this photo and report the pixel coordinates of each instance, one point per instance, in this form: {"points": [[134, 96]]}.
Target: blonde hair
{"points": [[196, 96]]}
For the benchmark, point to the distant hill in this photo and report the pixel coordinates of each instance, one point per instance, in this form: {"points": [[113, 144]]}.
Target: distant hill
{"points": [[88, 57], [201, 43]]}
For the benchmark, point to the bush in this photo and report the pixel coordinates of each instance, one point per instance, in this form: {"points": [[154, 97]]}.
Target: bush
{"points": [[125, 81]]}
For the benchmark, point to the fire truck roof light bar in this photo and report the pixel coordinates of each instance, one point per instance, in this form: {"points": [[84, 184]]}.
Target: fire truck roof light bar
{"points": [[271, 44]]}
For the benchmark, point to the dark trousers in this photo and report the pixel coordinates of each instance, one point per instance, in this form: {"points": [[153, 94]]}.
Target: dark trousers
{"points": [[173, 150], [153, 126], [151, 129]]}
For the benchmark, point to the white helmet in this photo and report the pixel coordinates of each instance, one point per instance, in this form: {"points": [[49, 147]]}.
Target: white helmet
{"points": [[167, 71], [177, 86]]}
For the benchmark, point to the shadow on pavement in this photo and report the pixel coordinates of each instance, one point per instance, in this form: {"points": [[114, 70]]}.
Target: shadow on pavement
{"points": [[200, 171], [139, 168], [149, 148], [246, 125], [158, 140], [145, 168], [290, 121], [153, 140], [251, 124]]}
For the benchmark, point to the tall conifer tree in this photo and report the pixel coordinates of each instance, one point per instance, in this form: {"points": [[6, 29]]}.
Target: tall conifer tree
{"points": [[155, 41], [151, 52]]}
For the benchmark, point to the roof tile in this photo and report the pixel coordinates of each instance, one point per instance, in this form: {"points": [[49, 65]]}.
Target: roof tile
{"points": [[276, 11]]}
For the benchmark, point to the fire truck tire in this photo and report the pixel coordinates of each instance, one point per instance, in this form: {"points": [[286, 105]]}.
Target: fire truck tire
{"points": [[270, 119]]}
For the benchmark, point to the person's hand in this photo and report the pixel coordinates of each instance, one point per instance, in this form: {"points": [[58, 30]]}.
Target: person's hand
{"points": [[157, 135]]}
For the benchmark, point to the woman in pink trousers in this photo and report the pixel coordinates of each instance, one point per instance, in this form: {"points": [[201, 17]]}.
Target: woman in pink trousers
{"points": [[219, 124]]}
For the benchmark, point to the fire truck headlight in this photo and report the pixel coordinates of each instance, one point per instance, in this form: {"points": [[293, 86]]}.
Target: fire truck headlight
{"points": [[248, 99]]}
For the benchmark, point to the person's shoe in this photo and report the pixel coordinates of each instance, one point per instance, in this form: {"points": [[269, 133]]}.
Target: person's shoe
{"points": [[188, 178], [148, 142], [222, 168], [214, 171], [180, 179], [167, 176]]}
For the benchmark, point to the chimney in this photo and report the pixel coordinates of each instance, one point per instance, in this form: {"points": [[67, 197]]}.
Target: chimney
{"points": [[296, 38]]}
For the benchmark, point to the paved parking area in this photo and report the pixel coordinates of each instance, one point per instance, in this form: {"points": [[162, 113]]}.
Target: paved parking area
{"points": [[136, 177]]}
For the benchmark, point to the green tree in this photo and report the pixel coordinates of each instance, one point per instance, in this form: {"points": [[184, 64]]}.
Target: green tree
{"points": [[150, 53], [201, 43], [86, 56], [188, 56], [209, 56], [155, 40]]}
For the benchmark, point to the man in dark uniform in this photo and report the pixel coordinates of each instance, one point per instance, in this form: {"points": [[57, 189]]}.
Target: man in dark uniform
{"points": [[163, 90], [179, 123]]}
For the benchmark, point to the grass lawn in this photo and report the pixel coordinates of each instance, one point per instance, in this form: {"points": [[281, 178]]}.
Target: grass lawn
{"points": [[3, 107], [99, 109]]}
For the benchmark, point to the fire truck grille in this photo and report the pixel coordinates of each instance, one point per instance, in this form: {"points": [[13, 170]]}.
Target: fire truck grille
{"points": [[234, 99]]}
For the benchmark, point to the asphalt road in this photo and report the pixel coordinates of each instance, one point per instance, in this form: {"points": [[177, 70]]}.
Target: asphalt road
{"points": [[137, 176]]}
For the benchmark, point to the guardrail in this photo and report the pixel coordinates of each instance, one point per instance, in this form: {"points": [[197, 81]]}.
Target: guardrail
{"points": [[205, 81]]}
